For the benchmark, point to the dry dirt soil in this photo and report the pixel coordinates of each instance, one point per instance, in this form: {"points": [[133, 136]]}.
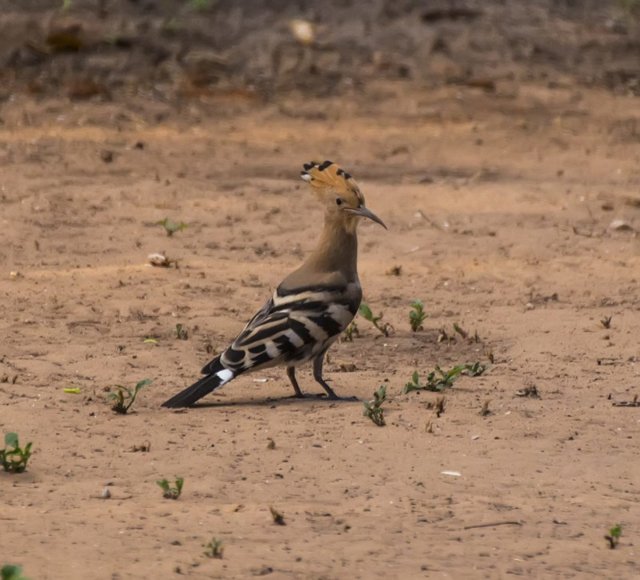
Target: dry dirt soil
{"points": [[513, 210], [499, 214]]}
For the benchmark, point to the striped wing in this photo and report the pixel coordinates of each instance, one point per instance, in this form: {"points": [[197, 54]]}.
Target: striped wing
{"points": [[294, 326]]}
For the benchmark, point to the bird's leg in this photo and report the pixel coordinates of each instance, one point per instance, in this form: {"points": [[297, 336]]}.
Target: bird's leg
{"points": [[291, 373], [317, 375]]}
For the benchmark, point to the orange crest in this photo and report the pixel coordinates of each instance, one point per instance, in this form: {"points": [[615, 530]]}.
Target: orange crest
{"points": [[330, 177]]}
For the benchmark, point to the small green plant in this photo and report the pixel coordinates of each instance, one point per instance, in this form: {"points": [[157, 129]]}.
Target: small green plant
{"points": [[171, 491], [417, 315], [214, 549], [474, 370], [373, 409], [613, 537], [181, 332], [278, 518], [11, 572], [351, 332], [414, 384], [461, 331], [14, 458], [384, 328], [443, 336], [439, 406], [124, 397], [171, 227], [439, 380]]}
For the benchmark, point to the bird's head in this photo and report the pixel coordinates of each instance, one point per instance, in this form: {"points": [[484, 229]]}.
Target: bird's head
{"points": [[338, 192]]}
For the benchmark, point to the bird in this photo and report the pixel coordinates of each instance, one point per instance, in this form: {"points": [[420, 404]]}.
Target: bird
{"points": [[311, 307]]}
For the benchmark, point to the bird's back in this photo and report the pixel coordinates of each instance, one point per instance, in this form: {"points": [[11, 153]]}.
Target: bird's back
{"points": [[295, 324]]}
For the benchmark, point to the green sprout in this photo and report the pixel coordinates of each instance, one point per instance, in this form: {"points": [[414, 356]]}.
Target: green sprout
{"points": [[350, 332], [278, 518], [439, 406], [457, 329], [417, 315], [181, 332], [461, 331], [439, 380], [214, 549], [474, 369], [373, 409], [125, 397], [11, 572], [614, 536], [14, 458], [171, 227], [385, 328], [171, 492]]}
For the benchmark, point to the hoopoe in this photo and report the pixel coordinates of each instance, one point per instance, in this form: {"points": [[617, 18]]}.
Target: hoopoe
{"points": [[311, 307]]}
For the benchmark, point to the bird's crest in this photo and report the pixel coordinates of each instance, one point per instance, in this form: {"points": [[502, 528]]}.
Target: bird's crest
{"points": [[329, 175]]}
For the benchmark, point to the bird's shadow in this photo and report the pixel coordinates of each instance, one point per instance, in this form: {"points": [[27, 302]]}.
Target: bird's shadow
{"points": [[275, 401]]}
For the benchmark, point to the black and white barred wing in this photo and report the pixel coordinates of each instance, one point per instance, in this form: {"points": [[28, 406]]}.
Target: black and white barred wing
{"points": [[292, 328]]}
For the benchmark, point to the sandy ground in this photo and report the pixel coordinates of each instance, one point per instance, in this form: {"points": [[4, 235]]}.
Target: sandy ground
{"points": [[498, 206]]}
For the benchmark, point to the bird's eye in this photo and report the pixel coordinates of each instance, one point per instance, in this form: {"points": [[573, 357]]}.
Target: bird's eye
{"points": [[339, 201]]}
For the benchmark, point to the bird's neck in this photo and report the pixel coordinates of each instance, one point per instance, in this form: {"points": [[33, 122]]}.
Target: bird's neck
{"points": [[337, 249]]}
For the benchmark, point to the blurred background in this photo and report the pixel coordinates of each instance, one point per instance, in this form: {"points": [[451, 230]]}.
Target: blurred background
{"points": [[174, 50]]}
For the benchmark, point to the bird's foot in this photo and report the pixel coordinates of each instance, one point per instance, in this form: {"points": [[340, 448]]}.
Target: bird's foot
{"points": [[334, 397]]}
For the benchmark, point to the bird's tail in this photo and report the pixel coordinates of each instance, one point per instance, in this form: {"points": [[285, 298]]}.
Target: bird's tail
{"points": [[218, 376]]}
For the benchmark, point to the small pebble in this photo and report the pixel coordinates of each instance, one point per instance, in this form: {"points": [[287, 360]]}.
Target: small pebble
{"points": [[106, 493], [157, 259], [620, 226]]}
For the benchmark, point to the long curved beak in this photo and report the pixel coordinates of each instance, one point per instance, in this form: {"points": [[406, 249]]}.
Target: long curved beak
{"points": [[367, 213]]}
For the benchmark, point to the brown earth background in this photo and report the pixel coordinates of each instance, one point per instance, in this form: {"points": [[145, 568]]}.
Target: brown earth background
{"points": [[499, 140]]}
